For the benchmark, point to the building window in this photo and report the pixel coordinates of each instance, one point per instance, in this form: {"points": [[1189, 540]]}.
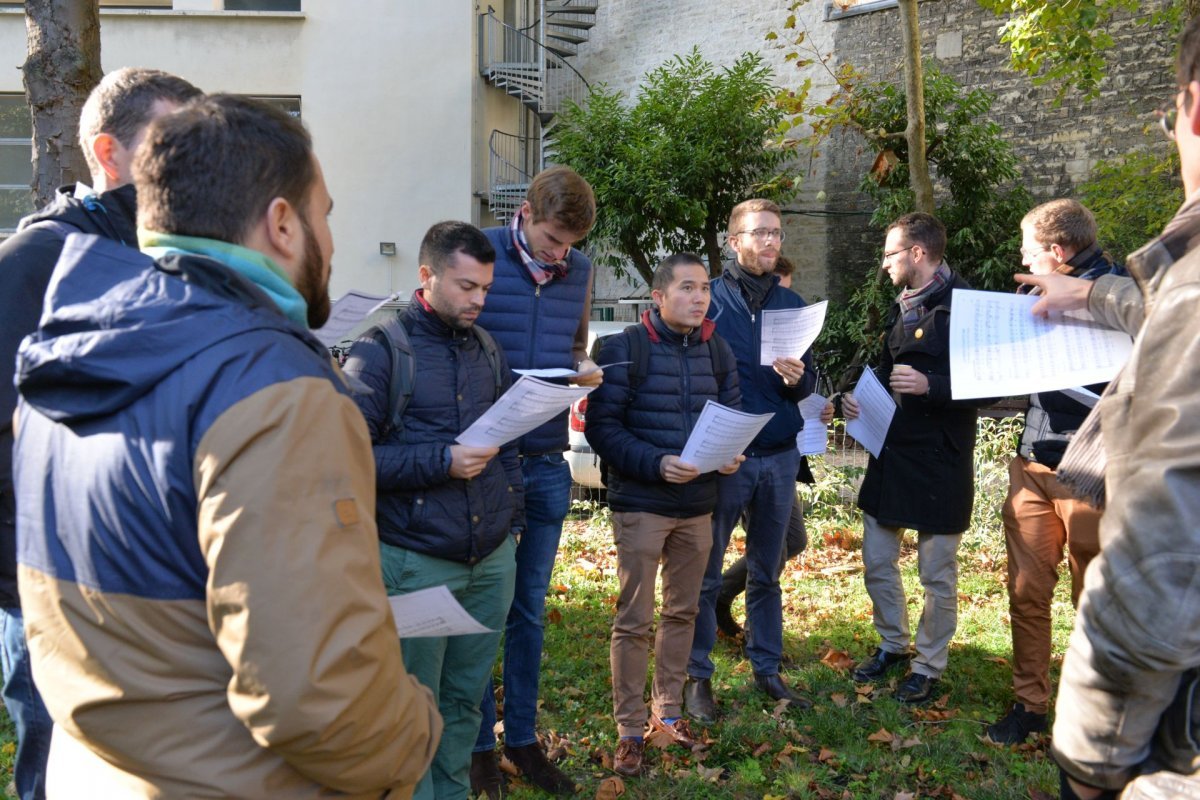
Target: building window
{"points": [[839, 9], [262, 5], [16, 156]]}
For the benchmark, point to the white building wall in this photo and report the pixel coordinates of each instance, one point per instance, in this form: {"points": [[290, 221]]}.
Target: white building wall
{"points": [[388, 90]]}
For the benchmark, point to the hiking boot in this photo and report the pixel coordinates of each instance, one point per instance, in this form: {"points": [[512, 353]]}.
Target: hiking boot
{"points": [[776, 689], [679, 730], [486, 778], [877, 665], [698, 700], [533, 765], [726, 624], [1016, 726], [916, 689], [628, 758]]}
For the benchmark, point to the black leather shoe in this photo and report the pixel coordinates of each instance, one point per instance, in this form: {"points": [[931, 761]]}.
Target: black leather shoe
{"points": [[533, 765], [776, 689], [726, 624], [875, 666], [698, 700], [486, 778], [916, 689]]}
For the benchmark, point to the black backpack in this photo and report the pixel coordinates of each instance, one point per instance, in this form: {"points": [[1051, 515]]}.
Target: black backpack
{"points": [[391, 334]]}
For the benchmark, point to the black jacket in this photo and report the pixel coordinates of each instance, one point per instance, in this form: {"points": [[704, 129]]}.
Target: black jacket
{"points": [[924, 478], [26, 261], [633, 430], [419, 506]]}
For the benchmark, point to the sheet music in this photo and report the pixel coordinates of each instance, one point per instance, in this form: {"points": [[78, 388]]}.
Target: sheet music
{"points": [[566, 372], [349, 310], [999, 348], [789, 332], [432, 612], [720, 435], [813, 438], [876, 409], [529, 403]]}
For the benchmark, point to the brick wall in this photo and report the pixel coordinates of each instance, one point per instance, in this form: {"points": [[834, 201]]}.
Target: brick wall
{"points": [[828, 238]]}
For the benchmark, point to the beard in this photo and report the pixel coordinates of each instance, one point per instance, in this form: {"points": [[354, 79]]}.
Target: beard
{"points": [[313, 284]]}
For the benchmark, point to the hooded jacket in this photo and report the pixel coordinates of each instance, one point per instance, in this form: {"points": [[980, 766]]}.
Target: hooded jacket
{"points": [[632, 429], [197, 550], [26, 261]]}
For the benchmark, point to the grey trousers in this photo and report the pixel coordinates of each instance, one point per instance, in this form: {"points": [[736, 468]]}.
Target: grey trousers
{"points": [[938, 567]]}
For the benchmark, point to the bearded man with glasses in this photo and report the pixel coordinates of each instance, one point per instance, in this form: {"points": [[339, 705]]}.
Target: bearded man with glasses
{"points": [[766, 482]]}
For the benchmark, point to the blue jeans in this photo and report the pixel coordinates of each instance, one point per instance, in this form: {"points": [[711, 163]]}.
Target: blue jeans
{"points": [[547, 501], [25, 707], [767, 485], [455, 668]]}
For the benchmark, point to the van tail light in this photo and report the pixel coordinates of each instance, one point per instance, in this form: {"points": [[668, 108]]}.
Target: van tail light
{"points": [[578, 409]]}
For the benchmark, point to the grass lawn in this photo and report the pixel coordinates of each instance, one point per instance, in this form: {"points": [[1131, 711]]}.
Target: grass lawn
{"points": [[852, 744]]}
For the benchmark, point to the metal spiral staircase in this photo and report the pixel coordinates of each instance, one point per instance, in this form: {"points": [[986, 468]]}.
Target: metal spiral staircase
{"points": [[530, 64]]}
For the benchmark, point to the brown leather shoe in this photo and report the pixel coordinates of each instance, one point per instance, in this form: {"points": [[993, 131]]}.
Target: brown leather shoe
{"points": [[679, 730], [628, 759]]}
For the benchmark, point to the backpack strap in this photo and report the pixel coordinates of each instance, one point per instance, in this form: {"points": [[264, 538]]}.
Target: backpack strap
{"points": [[390, 332], [639, 354], [492, 351], [722, 359]]}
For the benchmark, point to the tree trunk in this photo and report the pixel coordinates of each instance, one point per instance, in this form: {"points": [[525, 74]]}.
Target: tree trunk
{"points": [[712, 249], [914, 93], [61, 68]]}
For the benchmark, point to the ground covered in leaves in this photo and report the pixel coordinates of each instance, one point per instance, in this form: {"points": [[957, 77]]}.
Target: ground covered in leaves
{"points": [[857, 742]]}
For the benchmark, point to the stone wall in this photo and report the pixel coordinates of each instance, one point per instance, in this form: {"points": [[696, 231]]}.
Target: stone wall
{"points": [[828, 235]]}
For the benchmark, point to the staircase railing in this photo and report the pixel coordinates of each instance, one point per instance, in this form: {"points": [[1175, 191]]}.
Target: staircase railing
{"points": [[508, 172], [520, 65]]}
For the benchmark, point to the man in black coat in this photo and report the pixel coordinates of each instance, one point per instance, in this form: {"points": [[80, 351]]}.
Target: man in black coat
{"points": [[111, 126], [924, 476]]}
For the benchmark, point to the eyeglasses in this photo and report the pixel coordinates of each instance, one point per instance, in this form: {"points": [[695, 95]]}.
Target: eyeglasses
{"points": [[763, 234], [1033, 253], [886, 256], [1167, 115]]}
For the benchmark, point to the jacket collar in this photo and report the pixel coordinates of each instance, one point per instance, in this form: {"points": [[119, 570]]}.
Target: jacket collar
{"points": [[659, 331]]}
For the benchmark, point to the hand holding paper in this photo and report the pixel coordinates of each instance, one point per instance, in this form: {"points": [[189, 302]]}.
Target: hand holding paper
{"points": [[720, 435], [875, 409]]}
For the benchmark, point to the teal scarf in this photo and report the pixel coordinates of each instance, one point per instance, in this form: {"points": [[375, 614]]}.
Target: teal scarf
{"points": [[250, 264]]}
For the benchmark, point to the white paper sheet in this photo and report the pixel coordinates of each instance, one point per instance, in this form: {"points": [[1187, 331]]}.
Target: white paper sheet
{"points": [[349, 310], [814, 436], [565, 372], [999, 348], [876, 409], [529, 403], [789, 332], [1082, 394], [432, 612], [720, 435]]}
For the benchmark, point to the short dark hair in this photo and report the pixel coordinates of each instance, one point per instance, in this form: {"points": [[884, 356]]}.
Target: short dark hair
{"points": [[445, 239], [784, 266], [925, 230], [1187, 63], [560, 195], [751, 206], [122, 103], [212, 168], [1065, 222], [665, 273]]}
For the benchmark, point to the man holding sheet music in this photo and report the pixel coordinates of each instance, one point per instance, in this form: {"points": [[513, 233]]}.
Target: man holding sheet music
{"points": [[923, 476], [1041, 517], [1126, 720], [766, 481], [447, 512], [662, 506]]}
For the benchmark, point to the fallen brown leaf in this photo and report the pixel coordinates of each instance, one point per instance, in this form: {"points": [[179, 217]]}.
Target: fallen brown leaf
{"points": [[837, 659], [762, 749], [660, 739], [904, 796], [709, 773], [610, 788], [826, 755], [838, 699], [881, 735], [554, 616]]}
